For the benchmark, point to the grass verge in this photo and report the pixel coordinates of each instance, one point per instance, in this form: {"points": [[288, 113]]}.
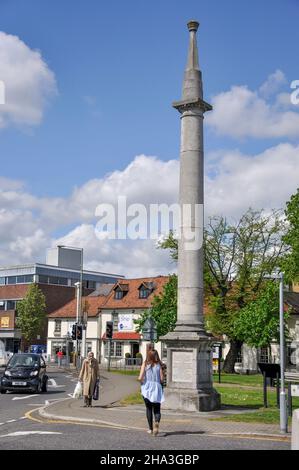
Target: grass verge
{"points": [[241, 398]]}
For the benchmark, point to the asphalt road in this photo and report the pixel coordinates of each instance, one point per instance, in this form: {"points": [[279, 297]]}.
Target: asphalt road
{"points": [[19, 431]]}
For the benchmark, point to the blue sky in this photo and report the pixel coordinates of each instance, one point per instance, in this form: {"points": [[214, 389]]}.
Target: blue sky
{"points": [[127, 58], [89, 92]]}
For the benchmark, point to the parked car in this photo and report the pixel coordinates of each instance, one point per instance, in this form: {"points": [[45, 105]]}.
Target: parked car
{"points": [[25, 371]]}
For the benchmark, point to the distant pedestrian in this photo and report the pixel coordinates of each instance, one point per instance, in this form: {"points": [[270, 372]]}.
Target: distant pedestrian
{"points": [[59, 357], [89, 374], [151, 377]]}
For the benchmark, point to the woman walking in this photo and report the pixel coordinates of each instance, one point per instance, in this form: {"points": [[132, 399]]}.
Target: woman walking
{"points": [[151, 377], [88, 375]]}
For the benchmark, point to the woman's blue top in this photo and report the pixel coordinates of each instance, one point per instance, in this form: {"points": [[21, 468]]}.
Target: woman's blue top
{"points": [[151, 388]]}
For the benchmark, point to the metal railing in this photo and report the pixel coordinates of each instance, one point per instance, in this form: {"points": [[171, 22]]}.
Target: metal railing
{"points": [[123, 363]]}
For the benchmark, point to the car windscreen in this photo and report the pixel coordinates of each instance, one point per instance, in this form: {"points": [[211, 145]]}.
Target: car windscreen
{"points": [[22, 360]]}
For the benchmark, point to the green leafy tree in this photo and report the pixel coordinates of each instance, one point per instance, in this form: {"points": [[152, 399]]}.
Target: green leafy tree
{"points": [[237, 257], [258, 322], [290, 263], [163, 309], [31, 311]]}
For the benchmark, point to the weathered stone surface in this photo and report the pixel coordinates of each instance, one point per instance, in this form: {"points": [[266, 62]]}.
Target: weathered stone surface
{"points": [[189, 357]]}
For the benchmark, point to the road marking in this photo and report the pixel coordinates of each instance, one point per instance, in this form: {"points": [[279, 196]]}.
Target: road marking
{"points": [[11, 421], [26, 433], [1, 424], [54, 383], [24, 398]]}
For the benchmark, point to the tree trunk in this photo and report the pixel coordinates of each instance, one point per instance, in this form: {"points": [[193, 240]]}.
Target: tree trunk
{"points": [[231, 357]]}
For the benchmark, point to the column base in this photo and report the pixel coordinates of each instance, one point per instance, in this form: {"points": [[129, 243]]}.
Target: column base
{"points": [[191, 400], [189, 372]]}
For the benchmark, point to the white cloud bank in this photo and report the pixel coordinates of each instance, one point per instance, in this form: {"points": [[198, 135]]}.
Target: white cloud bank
{"points": [[242, 113], [234, 182], [28, 83]]}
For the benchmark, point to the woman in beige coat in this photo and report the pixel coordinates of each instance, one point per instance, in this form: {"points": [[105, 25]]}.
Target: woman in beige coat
{"points": [[88, 375]]}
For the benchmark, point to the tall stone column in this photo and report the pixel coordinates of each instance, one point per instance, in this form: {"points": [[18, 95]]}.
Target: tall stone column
{"points": [[189, 358]]}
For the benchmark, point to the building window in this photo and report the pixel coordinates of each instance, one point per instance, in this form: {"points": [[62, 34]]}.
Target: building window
{"points": [[43, 279], [116, 349], [89, 284], [115, 321], [2, 281], [12, 280], [2, 305], [118, 294], [264, 355], [57, 328], [240, 356], [144, 293], [10, 305], [28, 278], [60, 281]]}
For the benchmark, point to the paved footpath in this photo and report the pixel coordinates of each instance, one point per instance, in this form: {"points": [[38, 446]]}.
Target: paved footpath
{"points": [[108, 411]]}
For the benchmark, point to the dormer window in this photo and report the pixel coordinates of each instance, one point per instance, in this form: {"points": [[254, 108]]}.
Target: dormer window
{"points": [[118, 294], [145, 289], [144, 293], [120, 291]]}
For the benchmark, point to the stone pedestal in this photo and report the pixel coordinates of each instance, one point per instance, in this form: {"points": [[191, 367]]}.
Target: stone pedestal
{"points": [[189, 373]]}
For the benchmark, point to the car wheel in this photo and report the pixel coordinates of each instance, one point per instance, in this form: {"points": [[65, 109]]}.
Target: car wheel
{"points": [[3, 390]]}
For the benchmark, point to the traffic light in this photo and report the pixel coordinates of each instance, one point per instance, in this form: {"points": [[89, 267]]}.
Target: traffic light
{"points": [[109, 329], [79, 331], [74, 331]]}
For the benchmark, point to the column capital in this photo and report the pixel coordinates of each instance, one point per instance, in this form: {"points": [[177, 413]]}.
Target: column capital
{"points": [[196, 103]]}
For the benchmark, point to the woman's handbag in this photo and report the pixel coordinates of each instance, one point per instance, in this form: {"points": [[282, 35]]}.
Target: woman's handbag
{"points": [[96, 391], [78, 391]]}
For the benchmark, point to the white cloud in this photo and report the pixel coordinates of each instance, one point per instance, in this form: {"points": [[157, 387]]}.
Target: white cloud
{"points": [[241, 112], [234, 182], [28, 81], [123, 257], [273, 83]]}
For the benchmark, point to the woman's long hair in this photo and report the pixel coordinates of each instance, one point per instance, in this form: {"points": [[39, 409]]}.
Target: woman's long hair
{"points": [[152, 358]]}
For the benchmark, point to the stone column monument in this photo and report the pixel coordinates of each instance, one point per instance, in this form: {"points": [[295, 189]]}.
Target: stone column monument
{"points": [[189, 361]]}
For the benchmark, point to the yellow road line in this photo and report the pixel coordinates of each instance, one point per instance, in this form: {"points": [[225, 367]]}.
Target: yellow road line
{"points": [[51, 421]]}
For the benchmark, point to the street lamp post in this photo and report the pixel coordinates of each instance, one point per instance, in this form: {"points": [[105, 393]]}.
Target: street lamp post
{"points": [[282, 395], [78, 288], [79, 293]]}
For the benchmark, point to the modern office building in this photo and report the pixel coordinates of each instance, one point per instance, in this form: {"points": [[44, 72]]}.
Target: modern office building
{"points": [[56, 278]]}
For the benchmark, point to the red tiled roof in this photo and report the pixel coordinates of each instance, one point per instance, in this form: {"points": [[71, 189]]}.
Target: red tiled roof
{"points": [[131, 299], [69, 310], [124, 335]]}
